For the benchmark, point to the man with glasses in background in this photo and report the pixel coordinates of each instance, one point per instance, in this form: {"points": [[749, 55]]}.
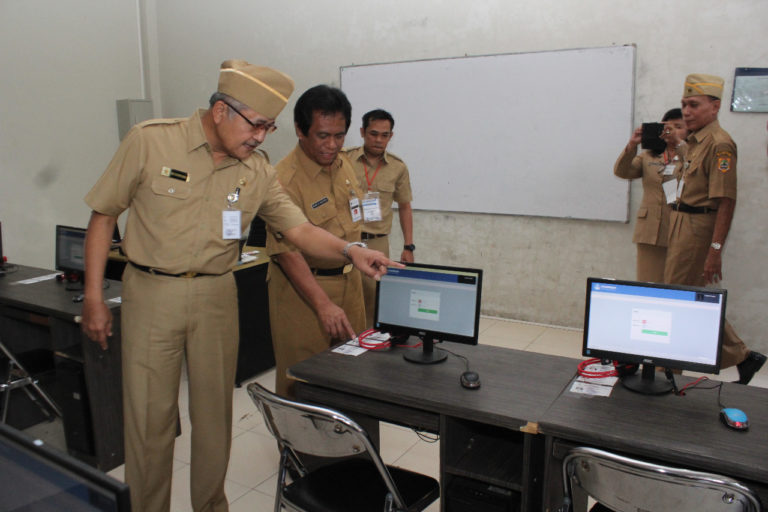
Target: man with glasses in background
{"points": [[192, 185]]}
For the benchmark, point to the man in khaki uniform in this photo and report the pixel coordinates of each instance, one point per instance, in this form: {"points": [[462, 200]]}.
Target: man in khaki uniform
{"points": [[192, 186], [384, 179], [702, 214], [314, 301]]}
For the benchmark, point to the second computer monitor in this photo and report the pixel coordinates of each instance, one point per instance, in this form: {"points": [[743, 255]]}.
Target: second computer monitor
{"points": [[674, 326], [433, 302]]}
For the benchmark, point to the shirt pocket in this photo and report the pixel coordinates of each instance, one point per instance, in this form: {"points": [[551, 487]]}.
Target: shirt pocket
{"points": [[642, 213], [321, 214], [171, 188]]}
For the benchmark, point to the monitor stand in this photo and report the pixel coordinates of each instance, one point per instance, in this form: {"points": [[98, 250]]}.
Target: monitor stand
{"points": [[428, 355], [647, 383]]}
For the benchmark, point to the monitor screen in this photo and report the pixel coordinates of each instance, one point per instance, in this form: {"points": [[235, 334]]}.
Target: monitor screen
{"points": [[433, 302], [677, 327], [70, 249], [35, 477]]}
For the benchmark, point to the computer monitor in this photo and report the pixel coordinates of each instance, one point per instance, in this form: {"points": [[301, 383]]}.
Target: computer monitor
{"points": [[677, 327], [36, 477], [432, 302], [70, 254]]}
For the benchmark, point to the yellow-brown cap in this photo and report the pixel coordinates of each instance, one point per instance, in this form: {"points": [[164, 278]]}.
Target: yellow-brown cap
{"points": [[699, 84], [262, 89]]}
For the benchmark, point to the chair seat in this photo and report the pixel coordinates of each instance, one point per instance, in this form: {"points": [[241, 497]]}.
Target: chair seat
{"points": [[355, 484]]}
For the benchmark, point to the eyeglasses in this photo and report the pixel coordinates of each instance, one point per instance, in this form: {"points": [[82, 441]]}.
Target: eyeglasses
{"points": [[258, 126]]}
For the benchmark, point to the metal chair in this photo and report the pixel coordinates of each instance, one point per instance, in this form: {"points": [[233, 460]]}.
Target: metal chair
{"points": [[628, 485], [349, 482], [18, 377]]}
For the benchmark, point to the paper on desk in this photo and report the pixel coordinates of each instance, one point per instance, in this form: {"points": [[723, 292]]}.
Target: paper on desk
{"points": [[595, 386], [37, 279], [248, 256], [586, 388], [350, 348]]}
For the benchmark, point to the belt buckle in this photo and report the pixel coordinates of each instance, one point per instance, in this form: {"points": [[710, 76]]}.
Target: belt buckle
{"points": [[188, 274], [348, 268]]}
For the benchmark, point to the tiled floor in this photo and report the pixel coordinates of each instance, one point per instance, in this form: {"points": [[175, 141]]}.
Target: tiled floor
{"points": [[252, 477]]}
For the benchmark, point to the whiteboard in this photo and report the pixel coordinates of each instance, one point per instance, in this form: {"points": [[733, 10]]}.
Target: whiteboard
{"points": [[522, 134]]}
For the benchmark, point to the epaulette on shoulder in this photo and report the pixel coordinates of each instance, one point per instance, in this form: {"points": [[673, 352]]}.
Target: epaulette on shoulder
{"points": [[349, 149], [162, 121], [395, 157]]}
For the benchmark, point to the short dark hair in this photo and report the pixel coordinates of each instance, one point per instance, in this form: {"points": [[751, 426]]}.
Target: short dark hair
{"points": [[325, 99], [674, 113], [378, 115]]}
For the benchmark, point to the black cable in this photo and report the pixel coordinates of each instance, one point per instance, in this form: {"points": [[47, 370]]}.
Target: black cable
{"points": [[466, 361]]}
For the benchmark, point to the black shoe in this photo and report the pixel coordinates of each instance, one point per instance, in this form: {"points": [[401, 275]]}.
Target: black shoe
{"points": [[750, 366]]}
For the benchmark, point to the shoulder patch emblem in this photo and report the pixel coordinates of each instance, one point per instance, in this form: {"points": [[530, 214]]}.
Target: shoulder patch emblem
{"points": [[724, 160]]}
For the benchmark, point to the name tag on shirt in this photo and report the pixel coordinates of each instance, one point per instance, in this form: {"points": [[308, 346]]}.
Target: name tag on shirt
{"points": [[371, 207], [230, 224], [354, 209], [670, 190]]}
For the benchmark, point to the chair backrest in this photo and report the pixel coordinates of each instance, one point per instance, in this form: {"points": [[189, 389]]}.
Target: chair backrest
{"points": [[318, 431], [628, 485]]}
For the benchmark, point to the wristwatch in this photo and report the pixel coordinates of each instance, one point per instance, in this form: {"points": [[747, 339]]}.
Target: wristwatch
{"points": [[716, 246], [347, 247], [409, 247]]}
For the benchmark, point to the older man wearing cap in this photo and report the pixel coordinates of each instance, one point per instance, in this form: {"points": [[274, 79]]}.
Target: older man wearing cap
{"points": [[706, 198], [192, 186]]}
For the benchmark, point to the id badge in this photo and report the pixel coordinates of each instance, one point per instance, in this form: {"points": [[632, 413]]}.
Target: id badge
{"points": [[371, 207], [230, 224], [669, 169], [670, 190], [354, 209]]}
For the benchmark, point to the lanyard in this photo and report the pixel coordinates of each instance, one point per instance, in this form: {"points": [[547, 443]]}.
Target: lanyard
{"points": [[370, 181]]}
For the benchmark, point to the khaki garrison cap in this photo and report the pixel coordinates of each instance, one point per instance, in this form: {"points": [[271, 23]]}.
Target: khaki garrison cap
{"points": [[700, 84], [262, 89]]}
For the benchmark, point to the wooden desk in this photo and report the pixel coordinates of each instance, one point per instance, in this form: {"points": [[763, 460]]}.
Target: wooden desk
{"points": [[43, 315], [682, 431], [487, 435], [255, 353]]}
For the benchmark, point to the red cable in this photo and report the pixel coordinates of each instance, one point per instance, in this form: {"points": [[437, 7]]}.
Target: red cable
{"points": [[592, 374]]}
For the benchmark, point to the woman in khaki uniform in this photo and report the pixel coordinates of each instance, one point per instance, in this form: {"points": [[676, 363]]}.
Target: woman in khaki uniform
{"points": [[652, 224]]}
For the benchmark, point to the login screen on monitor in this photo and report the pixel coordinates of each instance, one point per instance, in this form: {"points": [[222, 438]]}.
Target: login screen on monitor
{"points": [[654, 322]]}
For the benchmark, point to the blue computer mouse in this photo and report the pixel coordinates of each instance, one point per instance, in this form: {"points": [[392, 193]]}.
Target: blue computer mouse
{"points": [[734, 418]]}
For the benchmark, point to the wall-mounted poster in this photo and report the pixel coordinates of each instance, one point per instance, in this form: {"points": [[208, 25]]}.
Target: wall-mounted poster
{"points": [[750, 90]]}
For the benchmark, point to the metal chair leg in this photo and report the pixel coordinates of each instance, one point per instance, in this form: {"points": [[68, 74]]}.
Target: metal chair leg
{"points": [[21, 380]]}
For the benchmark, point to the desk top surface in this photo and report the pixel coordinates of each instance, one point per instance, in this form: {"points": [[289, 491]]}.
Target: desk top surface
{"points": [[48, 296], [517, 387], [683, 430]]}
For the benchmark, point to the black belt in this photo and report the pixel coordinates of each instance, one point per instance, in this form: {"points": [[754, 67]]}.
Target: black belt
{"points": [[368, 236], [150, 270], [331, 271], [682, 207]]}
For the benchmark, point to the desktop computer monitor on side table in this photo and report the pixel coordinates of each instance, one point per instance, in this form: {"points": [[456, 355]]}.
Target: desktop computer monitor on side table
{"points": [[70, 255], [432, 302], [677, 327]]}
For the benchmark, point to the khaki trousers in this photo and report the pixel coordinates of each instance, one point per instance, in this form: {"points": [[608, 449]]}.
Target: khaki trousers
{"points": [[165, 320], [297, 332], [650, 263], [369, 285], [690, 235]]}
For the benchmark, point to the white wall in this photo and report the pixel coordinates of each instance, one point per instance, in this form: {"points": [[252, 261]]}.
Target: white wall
{"points": [[535, 267], [63, 66]]}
